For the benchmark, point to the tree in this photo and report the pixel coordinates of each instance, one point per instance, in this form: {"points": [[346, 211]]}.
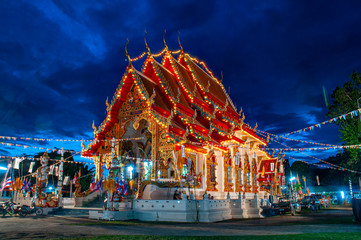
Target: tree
{"points": [[70, 169], [344, 99], [302, 169]]}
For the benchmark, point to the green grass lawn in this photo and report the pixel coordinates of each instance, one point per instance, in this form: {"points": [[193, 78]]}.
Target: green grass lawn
{"points": [[309, 236]]}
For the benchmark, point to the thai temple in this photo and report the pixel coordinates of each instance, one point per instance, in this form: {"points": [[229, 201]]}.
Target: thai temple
{"points": [[172, 126]]}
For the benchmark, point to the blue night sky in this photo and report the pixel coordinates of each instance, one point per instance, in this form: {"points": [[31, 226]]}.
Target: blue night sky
{"points": [[60, 60]]}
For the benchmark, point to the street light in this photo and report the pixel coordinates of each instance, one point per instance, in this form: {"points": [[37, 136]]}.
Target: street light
{"points": [[3, 168]]}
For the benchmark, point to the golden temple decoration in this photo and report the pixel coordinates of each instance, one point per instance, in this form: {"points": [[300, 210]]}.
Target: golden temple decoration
{"points": [[237, 169], [211, 171], [227, 163]]}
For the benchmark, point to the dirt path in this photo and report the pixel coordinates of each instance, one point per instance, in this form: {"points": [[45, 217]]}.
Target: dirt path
{"points": [[63, 226]]}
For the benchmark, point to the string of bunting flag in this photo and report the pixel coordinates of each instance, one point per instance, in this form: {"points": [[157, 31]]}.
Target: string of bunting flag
{"points": [[353, 113], [323, 161], [296, 140], [24, 146], [66, 140], [315, 164], [315, 148], [51, 159]]}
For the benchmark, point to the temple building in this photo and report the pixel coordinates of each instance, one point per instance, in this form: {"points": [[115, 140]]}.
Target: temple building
{"points": [[173, 124]]}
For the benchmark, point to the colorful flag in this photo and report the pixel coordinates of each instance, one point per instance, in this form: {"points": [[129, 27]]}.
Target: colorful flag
{"points": [[298, 179], [17, 163], [8, 184]]}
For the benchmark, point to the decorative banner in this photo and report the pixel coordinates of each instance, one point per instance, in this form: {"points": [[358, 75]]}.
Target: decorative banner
{"points": [[56, 171], [318, 180], [17, 163], [353, 113], [51, 170], [31, 167], [66, 180]]}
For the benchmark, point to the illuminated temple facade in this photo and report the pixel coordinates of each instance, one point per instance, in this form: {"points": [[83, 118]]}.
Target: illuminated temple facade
{"points": [[173, 122]]}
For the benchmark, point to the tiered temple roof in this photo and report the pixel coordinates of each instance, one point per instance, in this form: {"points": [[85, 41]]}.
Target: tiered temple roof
{"points": [[184, 96]]}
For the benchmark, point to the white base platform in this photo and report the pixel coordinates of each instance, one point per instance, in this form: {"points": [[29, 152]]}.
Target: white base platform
{"points": [[183, 210]]}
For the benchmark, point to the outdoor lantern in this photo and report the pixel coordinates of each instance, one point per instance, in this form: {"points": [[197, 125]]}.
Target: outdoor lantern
{"points": [[130, 170]]}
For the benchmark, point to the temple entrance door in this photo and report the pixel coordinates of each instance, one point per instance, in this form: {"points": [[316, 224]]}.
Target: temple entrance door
{"points": [[135, 152]]}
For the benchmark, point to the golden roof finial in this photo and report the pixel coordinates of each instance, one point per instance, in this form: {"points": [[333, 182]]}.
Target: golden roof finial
{"points": [[225, 106], [180, 42], [194, 115], [146, 44], [194, 90], [170, 117], [152, 97], [208, 85], [186, 133], [243, 117], [165, 44], [94, 127], [126, 52], [210, 131]]}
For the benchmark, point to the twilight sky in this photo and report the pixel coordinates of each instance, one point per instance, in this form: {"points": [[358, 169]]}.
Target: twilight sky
{"points": [[61, 59]]}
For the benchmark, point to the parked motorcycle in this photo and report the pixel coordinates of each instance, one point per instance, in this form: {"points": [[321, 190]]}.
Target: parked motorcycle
{"points": [[26, 210], [10, 208]]}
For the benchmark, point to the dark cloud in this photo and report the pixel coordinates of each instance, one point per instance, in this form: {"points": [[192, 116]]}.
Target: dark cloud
{"points": [[60, 60]]}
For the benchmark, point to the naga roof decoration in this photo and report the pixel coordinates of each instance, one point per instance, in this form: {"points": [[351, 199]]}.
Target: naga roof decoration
{"points": [[181, 95]]}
